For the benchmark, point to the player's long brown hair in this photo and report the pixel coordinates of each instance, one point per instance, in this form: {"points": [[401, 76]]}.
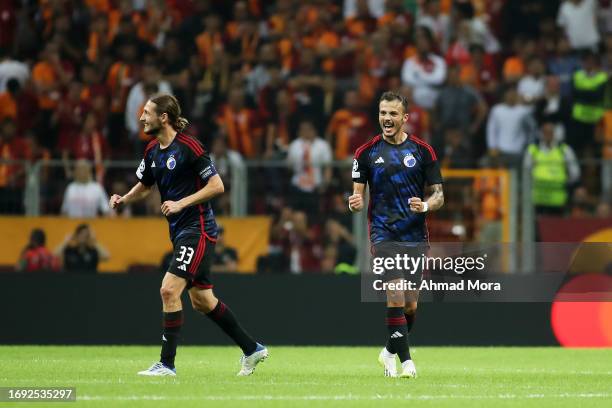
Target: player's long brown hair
{"points": [[168, 104]]}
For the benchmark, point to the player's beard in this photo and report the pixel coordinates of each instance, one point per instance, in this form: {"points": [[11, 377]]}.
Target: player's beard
{"points": [[153, 129]]}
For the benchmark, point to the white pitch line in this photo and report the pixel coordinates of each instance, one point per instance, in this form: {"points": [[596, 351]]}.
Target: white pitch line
{"points": [[348, 397]]}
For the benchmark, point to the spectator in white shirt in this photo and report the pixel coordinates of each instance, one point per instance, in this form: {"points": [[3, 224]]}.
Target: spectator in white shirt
{"points": [[310, 157], [531, 86], [509, 129], [579, 20], [425, 72], [84, 197]]}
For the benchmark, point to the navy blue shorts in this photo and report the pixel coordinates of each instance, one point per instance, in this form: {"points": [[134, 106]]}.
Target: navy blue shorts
{"points": [[192, 259]]}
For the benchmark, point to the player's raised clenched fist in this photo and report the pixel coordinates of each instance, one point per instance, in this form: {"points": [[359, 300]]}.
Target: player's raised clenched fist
{"points": [[356, 202], [417, 205], [115, 201]]}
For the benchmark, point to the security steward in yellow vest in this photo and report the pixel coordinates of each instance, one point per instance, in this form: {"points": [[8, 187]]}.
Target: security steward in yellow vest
{"points": [[554, 169], [588, 96]]}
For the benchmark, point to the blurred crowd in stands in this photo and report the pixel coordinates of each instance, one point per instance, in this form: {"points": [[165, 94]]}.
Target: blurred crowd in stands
{"points": [[80, 252], [497, 84]]}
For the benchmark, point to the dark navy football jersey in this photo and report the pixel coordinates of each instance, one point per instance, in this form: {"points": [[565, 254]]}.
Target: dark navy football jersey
{"points": [[395, 173], [180, 170]]}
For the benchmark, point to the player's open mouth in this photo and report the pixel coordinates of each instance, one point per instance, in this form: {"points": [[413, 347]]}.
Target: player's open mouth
{"points": [[388, 126]]}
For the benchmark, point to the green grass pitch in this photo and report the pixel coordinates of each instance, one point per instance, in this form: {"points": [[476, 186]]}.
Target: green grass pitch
{"points": [[316, 376]]}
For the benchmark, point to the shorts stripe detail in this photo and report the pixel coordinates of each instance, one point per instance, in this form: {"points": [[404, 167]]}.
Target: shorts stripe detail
{"points": [[196, 260], [195, 257], [198, 255]]}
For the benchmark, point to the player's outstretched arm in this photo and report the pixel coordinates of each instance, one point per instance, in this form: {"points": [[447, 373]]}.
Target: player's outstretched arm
{"points": [[355, 202], [213, 188], [138, 192]]}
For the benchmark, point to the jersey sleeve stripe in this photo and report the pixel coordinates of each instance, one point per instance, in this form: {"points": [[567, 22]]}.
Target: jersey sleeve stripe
{"points": [[192, 144], [365, 146], [425, 145], [189, 139], [151, 144]]}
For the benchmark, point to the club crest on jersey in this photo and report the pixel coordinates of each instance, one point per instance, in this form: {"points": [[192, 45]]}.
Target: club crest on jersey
{"points": [[171, 163], [409, 160]]}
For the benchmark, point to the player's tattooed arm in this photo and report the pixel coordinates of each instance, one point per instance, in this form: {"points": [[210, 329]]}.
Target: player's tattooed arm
{"points": [[436, 200]]}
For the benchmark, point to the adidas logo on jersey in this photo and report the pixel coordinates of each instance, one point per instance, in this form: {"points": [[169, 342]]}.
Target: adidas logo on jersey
{"points": [[380, 160], [153, 165], [397, 335], [182, 267]]}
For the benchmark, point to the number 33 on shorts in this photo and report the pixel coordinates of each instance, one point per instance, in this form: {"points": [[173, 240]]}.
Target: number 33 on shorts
{"points": [[192, 258], [185, 251]]}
